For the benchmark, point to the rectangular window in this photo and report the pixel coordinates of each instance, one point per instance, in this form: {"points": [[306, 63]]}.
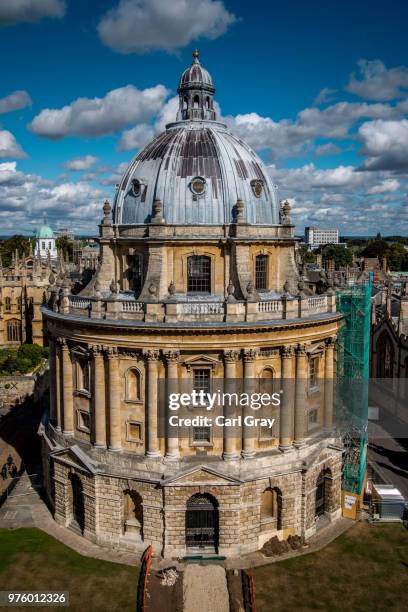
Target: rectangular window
{"points": [[261, 265], [201, 435], [83, 421], [135, 272], [199, 274], [134, 431], [313, 372], [202, 380], [313, 419]]}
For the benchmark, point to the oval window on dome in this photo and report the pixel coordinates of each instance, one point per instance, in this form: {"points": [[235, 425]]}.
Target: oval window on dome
{"points": [[197, 185], [136, 186], [257, 188]]}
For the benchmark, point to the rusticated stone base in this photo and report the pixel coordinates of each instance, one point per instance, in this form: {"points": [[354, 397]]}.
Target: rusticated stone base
{"points": [[242, 524]]}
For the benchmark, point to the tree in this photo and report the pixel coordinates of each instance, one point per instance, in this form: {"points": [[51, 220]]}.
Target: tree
{"points": [[9, 246], [65, 245], [306, 255], [376, 248], [339, 254], [396, 257]]}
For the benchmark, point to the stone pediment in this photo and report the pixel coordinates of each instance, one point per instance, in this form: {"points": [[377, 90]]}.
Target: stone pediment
{"points": [[75, 457], [200, 475], [200, 360]]}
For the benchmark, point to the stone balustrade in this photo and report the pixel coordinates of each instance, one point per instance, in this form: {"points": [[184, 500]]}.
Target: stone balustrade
{"points": [[173, 311]]}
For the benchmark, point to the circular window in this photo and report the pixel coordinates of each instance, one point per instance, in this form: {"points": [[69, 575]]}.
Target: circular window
{"points": [[136, 186], [197, 185], [257, 188]]}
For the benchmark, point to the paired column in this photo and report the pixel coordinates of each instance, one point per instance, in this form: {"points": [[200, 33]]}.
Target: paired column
{"points": [[152, 357], [250, 356], [68, 412], [53, 380], [115, 425], [328, 384], [287, 400], [172, 450], [301, 395], [230, 383], [99, 409], [58, 401]]}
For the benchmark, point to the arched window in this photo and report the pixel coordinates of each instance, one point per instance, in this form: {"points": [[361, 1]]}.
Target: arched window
{"points": [[207, 102], [78, 506], [385, 357], [83, 382], [261, 272], [133, 514], [196, 102], [133, 387], [198, 274], [266, 380], [271, 505], [13, 330], [7, 304], [185, 103]]}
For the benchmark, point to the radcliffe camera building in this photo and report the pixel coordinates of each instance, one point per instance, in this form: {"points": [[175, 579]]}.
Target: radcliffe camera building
{"points": [[197, 281]]}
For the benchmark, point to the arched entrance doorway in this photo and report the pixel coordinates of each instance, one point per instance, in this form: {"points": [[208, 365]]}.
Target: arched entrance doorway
{"points": [[322, 493], [78, 507], [202, 521]]}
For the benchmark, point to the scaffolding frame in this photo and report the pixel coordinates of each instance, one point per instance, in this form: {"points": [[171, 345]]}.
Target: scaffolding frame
{"points": [[353, 369]]}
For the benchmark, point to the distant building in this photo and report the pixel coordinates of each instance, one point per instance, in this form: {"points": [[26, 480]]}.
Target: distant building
{"points": [[64, 231], [315, 237], [45, 247]]}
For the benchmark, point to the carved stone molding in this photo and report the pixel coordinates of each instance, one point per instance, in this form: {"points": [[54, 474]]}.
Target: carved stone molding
{"points": [[151, 354], [171, 355], [231, 355], [287, 352], [250, 354]]}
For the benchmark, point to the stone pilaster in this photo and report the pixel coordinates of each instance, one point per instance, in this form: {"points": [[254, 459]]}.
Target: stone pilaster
{"points": [[115, 425], [67, 390], [53, 380], [98, 397], [328, 384], [301, 395], [230, 440], [58, 400], [250, 356], [286, 409], [172, 442], [152, 357]]}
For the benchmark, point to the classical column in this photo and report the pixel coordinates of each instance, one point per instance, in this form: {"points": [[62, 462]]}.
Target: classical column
{"points": [[115, 425], [53, 379], [58, 402], [152, 357], [301, 395], [172, 441], [230, 386], [99, 409], [287, 397], [328, 383], [67, 390], [250, 356]]}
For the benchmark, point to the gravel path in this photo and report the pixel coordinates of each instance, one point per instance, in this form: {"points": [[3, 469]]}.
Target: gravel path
{"points": [[205, 589]]}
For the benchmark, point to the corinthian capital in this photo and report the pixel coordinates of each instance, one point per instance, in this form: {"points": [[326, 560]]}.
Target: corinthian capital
{"points": [[231, 355], [171, 355], [151, 354], [287, 352], [250, 354]]}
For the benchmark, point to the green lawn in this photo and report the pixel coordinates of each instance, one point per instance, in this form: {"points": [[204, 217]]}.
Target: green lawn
{"points": [[32, 560], [365, 569]]}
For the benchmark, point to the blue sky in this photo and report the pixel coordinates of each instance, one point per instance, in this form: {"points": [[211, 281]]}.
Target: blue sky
{"points": [[86, 84]]}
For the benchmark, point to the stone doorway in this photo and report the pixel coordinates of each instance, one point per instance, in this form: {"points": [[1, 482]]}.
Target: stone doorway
{"points": [[202, 522]]}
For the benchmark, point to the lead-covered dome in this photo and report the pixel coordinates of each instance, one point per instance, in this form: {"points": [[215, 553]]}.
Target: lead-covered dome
{"points": [[197, 168]]}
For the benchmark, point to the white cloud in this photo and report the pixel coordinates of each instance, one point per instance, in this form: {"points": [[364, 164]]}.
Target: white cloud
{"points": [[325, 95], [81, 163], [138, 26], [377, 82], [14, 101], [385, 143], [16, 11], [329, 148], [136, 137], [99, 116], [9, 147], [386, 186]]}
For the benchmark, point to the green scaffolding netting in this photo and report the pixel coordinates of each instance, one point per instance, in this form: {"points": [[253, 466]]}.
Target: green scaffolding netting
{"points": [[353, 357]]}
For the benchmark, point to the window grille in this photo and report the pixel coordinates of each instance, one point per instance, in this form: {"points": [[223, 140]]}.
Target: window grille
{"points": [[199, 274]]}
